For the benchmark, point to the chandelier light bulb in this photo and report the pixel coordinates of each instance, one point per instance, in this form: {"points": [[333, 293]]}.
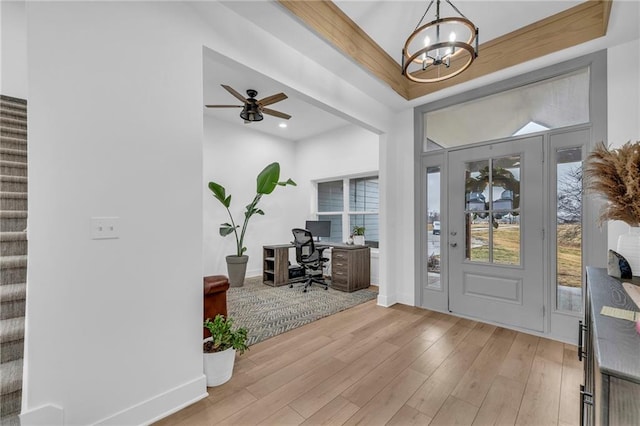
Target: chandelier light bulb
{"points": [[448, 54]]}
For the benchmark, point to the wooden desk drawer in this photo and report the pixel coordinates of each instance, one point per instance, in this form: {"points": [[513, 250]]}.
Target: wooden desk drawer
{"points": [[339, 277], [339, 254], [340, 265]]}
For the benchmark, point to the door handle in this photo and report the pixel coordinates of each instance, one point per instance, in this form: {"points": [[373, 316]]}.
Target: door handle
{"points": [[453, 244]]}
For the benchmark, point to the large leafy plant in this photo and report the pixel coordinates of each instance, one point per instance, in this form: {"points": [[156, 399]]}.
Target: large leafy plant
{"points": [[223, 337], [266, 182]]}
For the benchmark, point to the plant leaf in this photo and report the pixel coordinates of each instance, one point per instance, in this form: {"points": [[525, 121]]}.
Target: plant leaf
{"points": [[226, 229], [288, 182], [259, 211], [220, 193], [268, 179]]}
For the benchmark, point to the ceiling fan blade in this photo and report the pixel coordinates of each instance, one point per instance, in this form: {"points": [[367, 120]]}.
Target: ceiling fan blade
{"points": [[233, 92], [224, 106], [272, 99], [276, 113]]}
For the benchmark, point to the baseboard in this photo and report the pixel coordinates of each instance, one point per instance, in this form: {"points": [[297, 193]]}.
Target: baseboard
{"points": [[160, 406], [385, 301], [47, 415], [405, 299]]}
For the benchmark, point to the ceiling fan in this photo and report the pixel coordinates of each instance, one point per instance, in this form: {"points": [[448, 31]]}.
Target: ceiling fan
{"points": [[252, 108]]}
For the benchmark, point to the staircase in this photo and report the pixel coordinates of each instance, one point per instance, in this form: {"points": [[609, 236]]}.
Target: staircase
{"points": [[13, 253]]}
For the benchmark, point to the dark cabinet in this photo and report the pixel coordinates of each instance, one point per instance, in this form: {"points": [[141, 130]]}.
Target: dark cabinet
{"points": [[350, 268], [610, 350]]}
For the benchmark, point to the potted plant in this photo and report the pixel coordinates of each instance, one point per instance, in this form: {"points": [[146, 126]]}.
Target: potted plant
{"points": [[220, 349], [266, 182], [358, 235], [613, 173]]}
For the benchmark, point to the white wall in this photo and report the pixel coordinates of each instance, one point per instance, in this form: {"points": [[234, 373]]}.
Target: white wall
{"points": [[113, 331], [623, 115], [13, 45], [233, 155], [343, 152], [115, 122], [397, 198]]}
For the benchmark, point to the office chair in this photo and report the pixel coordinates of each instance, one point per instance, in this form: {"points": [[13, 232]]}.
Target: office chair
{"points": [[309, 256]]}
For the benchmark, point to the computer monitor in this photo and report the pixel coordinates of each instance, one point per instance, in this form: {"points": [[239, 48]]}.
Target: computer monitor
{"points": [[319, 228]]}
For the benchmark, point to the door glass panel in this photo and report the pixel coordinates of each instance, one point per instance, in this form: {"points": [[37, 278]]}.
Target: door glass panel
{"points": [[505, 203], [506, 238], [477, 211], [569, 229], [492, 208], [477, 232], [433, 227]]}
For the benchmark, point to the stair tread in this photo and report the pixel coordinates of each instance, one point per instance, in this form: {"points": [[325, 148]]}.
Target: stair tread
{"points": [[13, 214], [13, 292], [9, 178], [13, 151], [13, 236], [17, 261], [13, 195], [11, 329], [13, 164], [13, 130], [13, 100], [14, 140], [11, 373], [10, 120], [14, 112]]}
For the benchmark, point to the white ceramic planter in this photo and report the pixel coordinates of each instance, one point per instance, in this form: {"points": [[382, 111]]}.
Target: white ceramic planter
{"points": [[629, 247], [218, 366], [358, 240]]}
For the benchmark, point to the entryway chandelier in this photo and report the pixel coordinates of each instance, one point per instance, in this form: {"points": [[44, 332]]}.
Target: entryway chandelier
{"points": [[435, 51]]}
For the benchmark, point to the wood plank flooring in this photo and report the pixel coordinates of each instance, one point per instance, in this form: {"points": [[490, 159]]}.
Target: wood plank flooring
{"points": [[396, 366]]}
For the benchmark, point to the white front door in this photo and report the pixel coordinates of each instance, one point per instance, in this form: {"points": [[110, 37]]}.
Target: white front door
{"points": [[495, 233]]}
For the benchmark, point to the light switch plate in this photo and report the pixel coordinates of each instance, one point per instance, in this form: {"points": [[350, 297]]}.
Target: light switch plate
{"points": [[104, 228]]}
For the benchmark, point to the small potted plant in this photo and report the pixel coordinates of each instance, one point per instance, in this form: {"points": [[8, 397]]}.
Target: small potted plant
{"points": [[220, 349], [358, 235]]}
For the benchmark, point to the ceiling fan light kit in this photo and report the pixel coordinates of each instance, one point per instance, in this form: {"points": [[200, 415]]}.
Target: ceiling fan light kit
{"points": [[436, 51], [252, 108]]}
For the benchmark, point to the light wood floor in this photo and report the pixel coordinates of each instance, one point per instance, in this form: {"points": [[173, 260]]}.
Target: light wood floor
{"points": [[397, 366]]}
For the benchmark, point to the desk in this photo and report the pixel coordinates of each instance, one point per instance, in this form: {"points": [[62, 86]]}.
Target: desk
{"points": [[350, 266]]}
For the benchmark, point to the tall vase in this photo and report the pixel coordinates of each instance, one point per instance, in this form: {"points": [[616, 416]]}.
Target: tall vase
{"points": [[629, 247]]}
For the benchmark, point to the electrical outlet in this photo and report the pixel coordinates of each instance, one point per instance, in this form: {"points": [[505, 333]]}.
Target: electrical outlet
{"points": [[104, 228]]}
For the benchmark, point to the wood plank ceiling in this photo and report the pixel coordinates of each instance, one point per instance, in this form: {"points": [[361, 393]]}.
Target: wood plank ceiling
{"points": [[579, 24]]}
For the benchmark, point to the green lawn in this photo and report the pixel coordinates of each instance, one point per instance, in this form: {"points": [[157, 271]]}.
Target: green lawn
{"points": [[507, 250]]}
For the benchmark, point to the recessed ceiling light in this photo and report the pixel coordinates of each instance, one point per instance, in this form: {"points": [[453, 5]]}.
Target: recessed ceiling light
{"points": [[282, 125]]}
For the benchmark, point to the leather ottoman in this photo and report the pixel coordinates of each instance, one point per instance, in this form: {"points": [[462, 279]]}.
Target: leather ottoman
{"points": [[215, 298]]}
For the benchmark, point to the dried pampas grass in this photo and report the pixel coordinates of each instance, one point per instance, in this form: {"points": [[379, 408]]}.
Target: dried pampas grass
{"points": [[615, 175]]}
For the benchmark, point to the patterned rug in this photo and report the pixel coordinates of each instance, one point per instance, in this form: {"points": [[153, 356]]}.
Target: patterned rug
{"points": [[267, 311]]}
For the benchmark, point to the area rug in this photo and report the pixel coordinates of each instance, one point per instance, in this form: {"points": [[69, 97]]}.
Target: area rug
{"points": [[267, 311]]}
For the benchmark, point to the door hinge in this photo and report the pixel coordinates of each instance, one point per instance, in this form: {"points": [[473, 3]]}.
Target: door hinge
{"points": [[544, 311], [542, 233]]}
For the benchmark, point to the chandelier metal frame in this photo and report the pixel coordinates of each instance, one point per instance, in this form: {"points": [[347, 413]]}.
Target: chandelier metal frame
{"points": [[453, 48]]}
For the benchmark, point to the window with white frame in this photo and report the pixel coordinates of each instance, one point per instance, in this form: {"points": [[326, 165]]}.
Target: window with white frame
{"points": [[347, 203]]}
